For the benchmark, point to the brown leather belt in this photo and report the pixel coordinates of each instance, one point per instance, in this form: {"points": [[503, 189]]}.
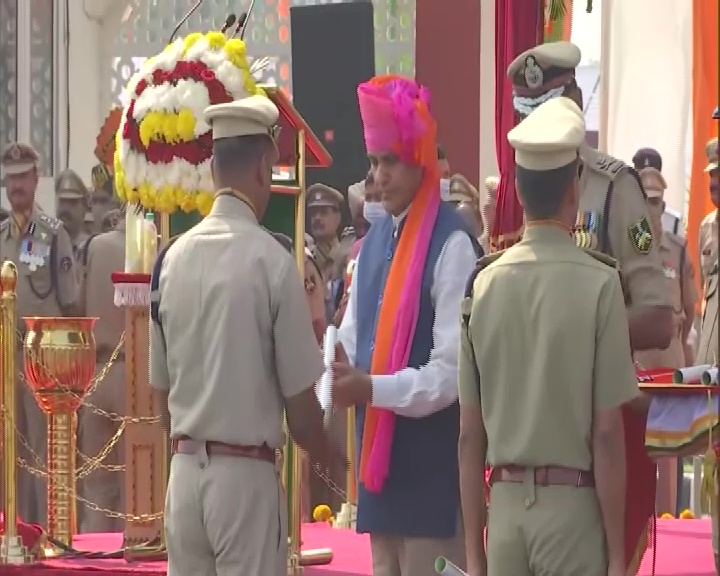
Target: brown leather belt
{"points": [[185, 445], [544, 476]]}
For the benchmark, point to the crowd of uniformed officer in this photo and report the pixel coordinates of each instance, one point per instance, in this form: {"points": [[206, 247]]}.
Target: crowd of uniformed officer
{"points": [[64, 267], [548, 286]]}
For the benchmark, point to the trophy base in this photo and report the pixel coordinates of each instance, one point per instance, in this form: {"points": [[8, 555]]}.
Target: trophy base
{"points": [[12, 551], [346, 517]]}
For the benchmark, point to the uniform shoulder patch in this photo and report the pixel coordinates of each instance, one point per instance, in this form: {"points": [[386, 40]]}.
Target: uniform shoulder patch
{"points": [[52, 224], [602, 257], [641, 236], [5, 224]]}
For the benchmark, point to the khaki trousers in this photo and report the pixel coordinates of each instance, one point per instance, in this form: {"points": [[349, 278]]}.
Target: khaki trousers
{"points": [[406, 556], [225, 516], [545, 531], [103, 487]]}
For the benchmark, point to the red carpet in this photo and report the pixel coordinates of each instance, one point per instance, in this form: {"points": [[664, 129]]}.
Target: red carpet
{"points": [[684, 549]]}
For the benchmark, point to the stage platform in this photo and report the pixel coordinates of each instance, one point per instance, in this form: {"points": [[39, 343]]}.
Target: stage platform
{"points": [[684, 549]]}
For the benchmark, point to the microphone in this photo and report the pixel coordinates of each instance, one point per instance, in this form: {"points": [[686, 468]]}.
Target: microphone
{"points": [[247, 18], [240, 24], [229, 21], [185, 19]]}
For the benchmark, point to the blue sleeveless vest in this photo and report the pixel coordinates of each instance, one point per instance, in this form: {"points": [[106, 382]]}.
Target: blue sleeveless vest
{"points": [[421, 496]]}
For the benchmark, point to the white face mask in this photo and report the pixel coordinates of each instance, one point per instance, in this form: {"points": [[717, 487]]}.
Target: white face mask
{"points": [[444, 189], [373, 211]]}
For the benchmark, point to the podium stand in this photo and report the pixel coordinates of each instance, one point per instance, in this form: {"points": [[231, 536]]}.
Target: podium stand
{"points": [[145, 444], [299, 148]]}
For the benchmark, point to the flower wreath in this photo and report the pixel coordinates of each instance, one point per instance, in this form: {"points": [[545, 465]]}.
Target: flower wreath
{"points": [[164, 146]]}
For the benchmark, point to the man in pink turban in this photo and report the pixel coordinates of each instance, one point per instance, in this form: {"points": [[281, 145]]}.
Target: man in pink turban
{"points": [[400, 335]]}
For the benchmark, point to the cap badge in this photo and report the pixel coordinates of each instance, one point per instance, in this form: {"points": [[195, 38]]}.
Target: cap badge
{"points": [[533, 73], [318, 196], [647, 162], [15, 152]]}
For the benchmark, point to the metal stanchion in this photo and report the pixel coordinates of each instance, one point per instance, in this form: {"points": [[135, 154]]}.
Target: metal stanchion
{"points": [[12, 550]]}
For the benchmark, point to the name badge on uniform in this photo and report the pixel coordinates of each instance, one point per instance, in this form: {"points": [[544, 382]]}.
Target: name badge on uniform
{"points": [[587, 229]]}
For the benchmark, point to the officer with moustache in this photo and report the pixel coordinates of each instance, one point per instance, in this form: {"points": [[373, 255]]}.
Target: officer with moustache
{"points": [[41, 248], [331, 250]]}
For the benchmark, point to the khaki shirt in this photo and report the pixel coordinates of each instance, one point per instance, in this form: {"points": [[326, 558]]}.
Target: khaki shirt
{"points": [[236, 337], [708, 352], [78, 243], [683, 295], [105, 255], [708, 244], [47, 278], [629, 232], [547, 346]]}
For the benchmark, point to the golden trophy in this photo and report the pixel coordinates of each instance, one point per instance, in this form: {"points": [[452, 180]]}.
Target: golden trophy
{"points": [[59, 355]]}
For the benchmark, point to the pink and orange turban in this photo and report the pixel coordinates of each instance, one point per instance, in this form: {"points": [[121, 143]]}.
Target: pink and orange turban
{"points": [[396, 118]]}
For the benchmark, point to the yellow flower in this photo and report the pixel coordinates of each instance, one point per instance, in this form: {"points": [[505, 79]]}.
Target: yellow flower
{"points": [[185, 125], [216, 40], [205, 202], [322, 513], [687, 514], [666, 516], [190, 40]]}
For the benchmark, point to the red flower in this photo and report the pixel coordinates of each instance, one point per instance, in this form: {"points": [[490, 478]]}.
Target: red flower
{"points": [[194, 152]]}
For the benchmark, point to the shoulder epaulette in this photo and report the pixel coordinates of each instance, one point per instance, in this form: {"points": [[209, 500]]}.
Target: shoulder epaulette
{"points": [[602, 257], [348, 232], [52, 224], [606, 165], [4, 224]]}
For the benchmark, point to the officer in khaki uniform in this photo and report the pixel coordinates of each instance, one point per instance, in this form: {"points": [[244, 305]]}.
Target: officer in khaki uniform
{"points": [[613, 217], [231, 346], [103, 255], [678, 271], [708, 350], [47, 285], [545, 360], [71, 197], [331, 252], [679, 277], [709, 231]]}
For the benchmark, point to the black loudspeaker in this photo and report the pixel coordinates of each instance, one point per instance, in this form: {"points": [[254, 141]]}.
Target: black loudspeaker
{"points": [[333, 50]]}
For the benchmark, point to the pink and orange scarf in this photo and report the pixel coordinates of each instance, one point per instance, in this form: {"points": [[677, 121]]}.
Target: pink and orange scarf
{"points": [[396, 117]]}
